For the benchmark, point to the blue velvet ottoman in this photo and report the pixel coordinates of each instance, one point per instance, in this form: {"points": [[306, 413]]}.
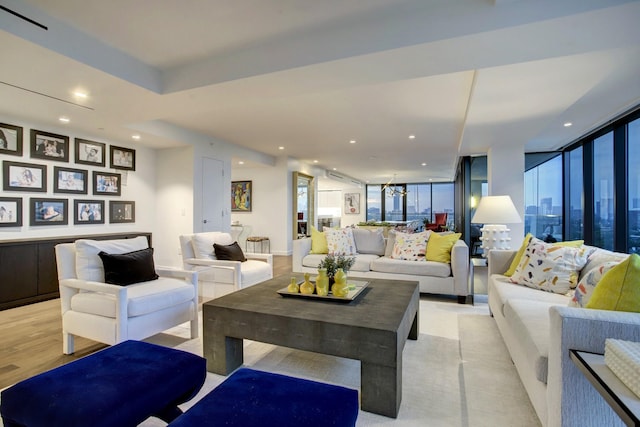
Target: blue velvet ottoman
{"points": [[120, 386], [256, 398]]}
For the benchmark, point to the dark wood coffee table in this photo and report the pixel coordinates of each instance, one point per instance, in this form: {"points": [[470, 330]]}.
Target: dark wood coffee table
{"points": [[373, 329]]}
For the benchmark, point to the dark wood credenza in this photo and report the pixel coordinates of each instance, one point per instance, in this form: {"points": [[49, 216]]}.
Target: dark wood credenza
{"points": [[28, 271]]}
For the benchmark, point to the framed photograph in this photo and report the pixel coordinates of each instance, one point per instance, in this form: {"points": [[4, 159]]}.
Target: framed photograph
{"points": [[90, 152], [123, 158], [352, 203], [106, 184], [49, 146], [73, 181], [49, 211], [120, 211], [10, 139], [241, 196], [88, 211], [24, 177], [10, 211]]}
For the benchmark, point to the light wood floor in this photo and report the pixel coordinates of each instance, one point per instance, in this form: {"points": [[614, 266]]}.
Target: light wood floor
{"points": [[31, 340]]}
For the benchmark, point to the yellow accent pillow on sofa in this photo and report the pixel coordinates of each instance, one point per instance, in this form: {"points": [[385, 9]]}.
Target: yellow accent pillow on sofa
{"points": [[318, 242], [518, 257], [619, 288], [439, 246]]}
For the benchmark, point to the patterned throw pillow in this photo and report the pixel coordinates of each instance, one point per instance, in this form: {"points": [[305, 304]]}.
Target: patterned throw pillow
{"points": [[340, 241], [588, 283], [410, 246], [550, 267]]}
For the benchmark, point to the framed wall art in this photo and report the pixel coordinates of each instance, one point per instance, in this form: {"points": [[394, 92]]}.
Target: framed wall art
{"points": [[241, 196], [49, 211], [122, 158], [88, 212], [106, 183], [121, 211], [352, 203], [24, 177], [73, 181], [10, 211], [49, 146], [10, 139], [90, 152]]}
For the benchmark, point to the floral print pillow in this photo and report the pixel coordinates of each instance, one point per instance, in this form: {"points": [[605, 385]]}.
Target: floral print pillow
{"points": [[588, 284], [340, 241]]}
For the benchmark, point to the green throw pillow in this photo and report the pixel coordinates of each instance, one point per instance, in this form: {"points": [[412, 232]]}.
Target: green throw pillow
{"points": [[619, 288]]}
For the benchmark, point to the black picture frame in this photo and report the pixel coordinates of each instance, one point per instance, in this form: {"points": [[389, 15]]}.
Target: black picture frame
{"points": [[241, 197], [17, 176], [10, 139], [88, 212], [49, 146], [106, 183], [90, 152], [122, 158], [10, 211], [70, 181], [122, 211], [45, 211]]}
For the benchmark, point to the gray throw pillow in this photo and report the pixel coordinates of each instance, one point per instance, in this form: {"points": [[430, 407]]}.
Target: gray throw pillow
{"points": [[369, 242]]}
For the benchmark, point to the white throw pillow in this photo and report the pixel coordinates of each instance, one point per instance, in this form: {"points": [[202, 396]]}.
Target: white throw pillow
{"points": [[588, 283], [369, 241], [340, 241], [89, 265], [410, 246], [203, 243], [549, 267]]}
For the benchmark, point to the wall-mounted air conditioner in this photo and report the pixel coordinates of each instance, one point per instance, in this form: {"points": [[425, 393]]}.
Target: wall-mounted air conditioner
{"points": [[343, 178]]}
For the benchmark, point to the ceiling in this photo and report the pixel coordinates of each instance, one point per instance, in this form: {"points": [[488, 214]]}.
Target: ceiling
{"points": [[310, 76]]}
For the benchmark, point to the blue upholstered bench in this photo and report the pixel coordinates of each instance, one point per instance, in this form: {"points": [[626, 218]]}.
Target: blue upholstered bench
{"points": [[120, 386], [255, 398]]}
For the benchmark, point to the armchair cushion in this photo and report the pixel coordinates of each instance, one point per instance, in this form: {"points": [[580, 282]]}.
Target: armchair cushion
{"points": [[127, 269], [231, 252], [203, 243], [89, 265]]}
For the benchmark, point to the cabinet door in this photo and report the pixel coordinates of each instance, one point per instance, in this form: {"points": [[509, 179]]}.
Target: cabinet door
{"points": [[18, 272], [47, 270]]}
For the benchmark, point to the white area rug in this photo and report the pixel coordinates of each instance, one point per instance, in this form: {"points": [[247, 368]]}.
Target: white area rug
{"points": [[458, 372]]}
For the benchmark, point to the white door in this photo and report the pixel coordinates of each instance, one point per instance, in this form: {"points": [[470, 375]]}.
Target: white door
{"points": [[214, 192]]}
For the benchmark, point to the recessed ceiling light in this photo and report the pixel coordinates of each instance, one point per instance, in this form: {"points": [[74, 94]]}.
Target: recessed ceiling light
{"points": [[315, 161], [136, 137], [241, 162], [424, 164], [80, 94], [412, 137], [64, 119], [281, 148], [353, 141], [335, 169], [567, 124]]}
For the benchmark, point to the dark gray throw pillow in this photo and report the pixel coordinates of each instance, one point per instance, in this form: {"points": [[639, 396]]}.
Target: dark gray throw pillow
{"points": [[231, 252], [127, 269]]}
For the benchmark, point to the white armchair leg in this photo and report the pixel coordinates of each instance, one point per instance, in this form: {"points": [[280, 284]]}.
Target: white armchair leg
{"points": [[195, 328], [67, 343]]}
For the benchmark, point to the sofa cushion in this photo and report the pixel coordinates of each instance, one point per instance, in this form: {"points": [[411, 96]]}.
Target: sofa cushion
{"points": [[129, 268], [362, 262], [502, 287], [340, 241], [398, 266], [619, 288], [144, 298], [318, 242], [410, 246], [439, 246], [251, 271], [551, 268], [368, 241], [588, 283], [203, 243], [530, 321], [89, 265]]}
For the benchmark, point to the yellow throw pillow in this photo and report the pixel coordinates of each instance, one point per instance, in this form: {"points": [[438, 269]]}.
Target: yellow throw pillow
{"points": [[619, 288], [518, 257], [570, 243], [318, 242], [439, 246]]}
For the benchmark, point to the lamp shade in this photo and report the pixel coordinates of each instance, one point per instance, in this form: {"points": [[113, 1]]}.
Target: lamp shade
{"points": [[496, 210]]}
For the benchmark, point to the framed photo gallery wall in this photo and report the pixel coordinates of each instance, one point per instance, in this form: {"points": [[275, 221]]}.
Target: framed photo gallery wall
{"points": [[49, 167]]}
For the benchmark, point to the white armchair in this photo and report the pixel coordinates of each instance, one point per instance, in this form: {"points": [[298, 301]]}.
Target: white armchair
{"points": [[111, 313], [219, 277]]}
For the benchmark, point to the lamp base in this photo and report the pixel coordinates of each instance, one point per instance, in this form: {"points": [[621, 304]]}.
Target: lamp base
{"points": [[495, 236]]}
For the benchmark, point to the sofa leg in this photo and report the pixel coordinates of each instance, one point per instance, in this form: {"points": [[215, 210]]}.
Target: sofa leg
{"points": [[67, 343], [463, 299]]}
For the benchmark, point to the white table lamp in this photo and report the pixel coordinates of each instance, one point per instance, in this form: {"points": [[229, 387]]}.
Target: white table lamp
{"points": [[494, 212]]}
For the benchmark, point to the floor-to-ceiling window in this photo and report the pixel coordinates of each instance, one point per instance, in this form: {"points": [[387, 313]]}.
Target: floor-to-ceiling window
{"points": [[543, 200], [603, 219], [418, 202], [374, 203], [633, 180], [575, 188]]}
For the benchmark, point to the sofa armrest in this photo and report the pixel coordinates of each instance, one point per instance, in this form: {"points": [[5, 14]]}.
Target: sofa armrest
{"points": [[301, 248], [499, 260], [571, 399], [460, 268]]}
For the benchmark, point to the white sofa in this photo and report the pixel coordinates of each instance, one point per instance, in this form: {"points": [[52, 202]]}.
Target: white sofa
{"points": [[539, 329], [433, 277]]}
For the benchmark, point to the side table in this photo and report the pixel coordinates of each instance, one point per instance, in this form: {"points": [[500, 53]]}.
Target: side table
{"points": [[258, 239], [480, 273], [624, 402]]}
